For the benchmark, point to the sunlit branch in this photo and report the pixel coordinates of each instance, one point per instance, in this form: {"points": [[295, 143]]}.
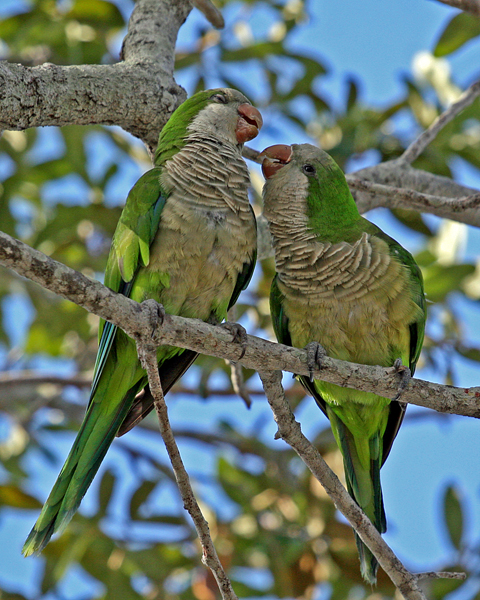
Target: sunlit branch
{"points": [[211, 12], [411, 199], [148, 357], [471, 6], [426, 137], [289, 430], [59, 95], [136, 320]]}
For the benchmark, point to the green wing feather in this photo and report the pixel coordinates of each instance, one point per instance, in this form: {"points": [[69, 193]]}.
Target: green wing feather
{"points": [[130, 249], [135, 231], [172, 369], [279, 319]]}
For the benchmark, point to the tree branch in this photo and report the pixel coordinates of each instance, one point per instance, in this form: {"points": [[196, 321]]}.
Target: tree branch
{"points": [[148, 357], [427, 136], [289, 430], [471, 6], [413, 200], [82, 95], [136, 320], [211, 12]]}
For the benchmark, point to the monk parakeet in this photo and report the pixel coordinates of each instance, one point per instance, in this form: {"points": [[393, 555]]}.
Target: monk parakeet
{"points": [[187, 239], [343, 283]]}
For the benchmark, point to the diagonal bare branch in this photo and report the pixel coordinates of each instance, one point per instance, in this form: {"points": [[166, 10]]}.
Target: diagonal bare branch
{"points": [[427, 136], [148, 357], [289, 430], [211, 12]]}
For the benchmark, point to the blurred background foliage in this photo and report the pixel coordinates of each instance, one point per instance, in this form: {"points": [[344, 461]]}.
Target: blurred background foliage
{"points": [[62, 191]]}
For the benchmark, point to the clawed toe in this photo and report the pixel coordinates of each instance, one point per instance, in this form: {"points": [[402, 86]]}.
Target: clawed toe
{"points": [[315, 356], [157, 315], [404, 374], [239, 334]]}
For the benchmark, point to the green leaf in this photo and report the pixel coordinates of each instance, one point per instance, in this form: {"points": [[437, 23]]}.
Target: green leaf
{"points": [[461, 29], [97, 12], [469, 352], [105, 492], [440, 280], [11, 495], [140, 496], [452, 509]]}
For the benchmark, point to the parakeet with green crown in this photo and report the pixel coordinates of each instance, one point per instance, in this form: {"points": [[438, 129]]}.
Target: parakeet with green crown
{"points": [[344, 284], [187, 239]]}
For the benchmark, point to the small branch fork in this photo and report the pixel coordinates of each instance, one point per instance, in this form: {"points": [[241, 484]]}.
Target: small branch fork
{"points": [[289, 430], [148, 357]]}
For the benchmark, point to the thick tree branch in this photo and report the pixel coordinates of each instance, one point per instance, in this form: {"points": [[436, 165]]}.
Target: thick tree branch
{"points": [[148, 356], [471, 6], [289, 430], [410, 199], [82, 95], [398, 174], [136, 320]]}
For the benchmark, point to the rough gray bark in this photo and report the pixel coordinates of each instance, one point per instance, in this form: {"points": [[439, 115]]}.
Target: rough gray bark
{"points": [[142, 84], [471, 6], [138, 320]]}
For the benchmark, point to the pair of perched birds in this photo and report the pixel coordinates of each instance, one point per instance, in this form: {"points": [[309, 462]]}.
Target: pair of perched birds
{"points": [[187, 239]]}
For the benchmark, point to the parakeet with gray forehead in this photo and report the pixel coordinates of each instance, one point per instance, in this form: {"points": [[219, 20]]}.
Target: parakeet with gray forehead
{"points": [[345, 284], [187, 239]]}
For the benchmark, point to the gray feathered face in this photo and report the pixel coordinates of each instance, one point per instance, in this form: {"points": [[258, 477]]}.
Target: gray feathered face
{"points": [[228, 116]]}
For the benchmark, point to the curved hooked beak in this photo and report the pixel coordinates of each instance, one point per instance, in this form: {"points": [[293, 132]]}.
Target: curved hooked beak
{"points": [[274, 158], [249, 123]]}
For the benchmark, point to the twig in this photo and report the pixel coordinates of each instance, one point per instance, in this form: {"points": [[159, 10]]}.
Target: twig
{"points": [[471, 6], [31, 378], [425, 138], [289, 430], [440, 575], [148, 357], [211, 12], [261, 355], [411, 199], [238, 382]]}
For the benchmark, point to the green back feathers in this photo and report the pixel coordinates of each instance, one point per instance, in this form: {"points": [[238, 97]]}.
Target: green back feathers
{"points": [[173, 135]]}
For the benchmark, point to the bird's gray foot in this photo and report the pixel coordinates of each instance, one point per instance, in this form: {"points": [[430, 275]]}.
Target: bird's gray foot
{"points": [[239, 334], [315, 356], [157, 315], [404, 374]]}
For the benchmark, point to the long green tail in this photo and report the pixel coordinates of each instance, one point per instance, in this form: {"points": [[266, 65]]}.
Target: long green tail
{"points": [[96, 434], [362, 474]]}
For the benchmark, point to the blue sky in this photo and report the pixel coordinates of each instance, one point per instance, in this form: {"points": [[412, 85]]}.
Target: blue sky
{"points": [[375, 42]]}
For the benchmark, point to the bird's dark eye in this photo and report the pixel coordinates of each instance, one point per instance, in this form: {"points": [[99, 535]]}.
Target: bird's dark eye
{"points": [[308, 170], [219, 98]]}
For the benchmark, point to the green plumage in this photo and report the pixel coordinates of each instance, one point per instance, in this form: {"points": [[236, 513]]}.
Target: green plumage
{"points": [[345, 284], [184, 239]]}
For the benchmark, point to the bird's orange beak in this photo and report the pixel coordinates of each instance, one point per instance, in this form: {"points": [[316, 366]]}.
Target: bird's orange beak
{"points": [[274, 158], [249, 123]]}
